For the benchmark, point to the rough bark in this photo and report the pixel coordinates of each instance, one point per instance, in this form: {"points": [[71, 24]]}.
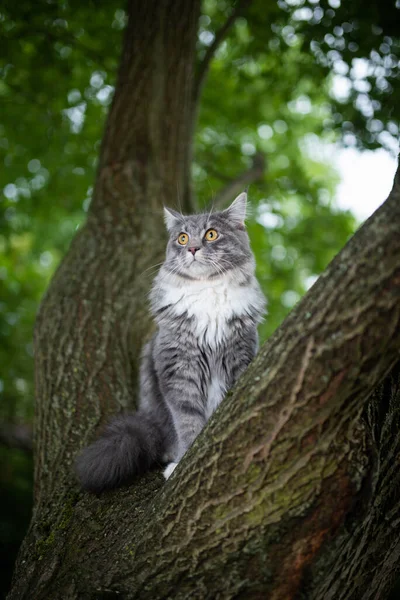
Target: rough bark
{"points": [[292, 489]]}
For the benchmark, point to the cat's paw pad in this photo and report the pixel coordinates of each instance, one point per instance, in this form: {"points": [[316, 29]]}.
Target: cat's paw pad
{"points": [[169, 470]]}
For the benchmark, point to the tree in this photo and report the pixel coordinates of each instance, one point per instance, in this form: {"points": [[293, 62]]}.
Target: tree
{"points": [[249, 495], [57, 72]]}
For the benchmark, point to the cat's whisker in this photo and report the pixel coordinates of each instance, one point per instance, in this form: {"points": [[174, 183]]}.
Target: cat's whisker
{"points": [[153, 267], [217, 266], [168, 272], [210, 213], [179, 200], [211, 190]]}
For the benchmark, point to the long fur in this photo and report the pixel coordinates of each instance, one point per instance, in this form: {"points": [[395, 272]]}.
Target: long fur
{"points": [[130, 445]]}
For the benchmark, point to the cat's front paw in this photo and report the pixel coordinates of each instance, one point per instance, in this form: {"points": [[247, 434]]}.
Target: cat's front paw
{"points": [[169, 470]]}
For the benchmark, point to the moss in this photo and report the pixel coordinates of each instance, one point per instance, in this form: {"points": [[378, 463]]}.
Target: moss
{"points": [[221, 511], [253, 473], [256, 516], [48, 533], [130, 549], [329, 469], [43, 545], [67, 510], [66, 515]]}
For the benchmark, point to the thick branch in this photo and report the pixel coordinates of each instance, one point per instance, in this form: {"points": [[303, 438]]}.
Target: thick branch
{"points": [[274, 477], [148, 135], [239, 9], [255, 172]]}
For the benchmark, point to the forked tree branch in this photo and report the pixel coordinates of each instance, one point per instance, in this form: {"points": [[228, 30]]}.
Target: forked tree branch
{"points": [[239, 9]]}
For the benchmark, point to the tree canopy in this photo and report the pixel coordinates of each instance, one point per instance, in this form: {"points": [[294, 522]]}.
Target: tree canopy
{"points": [[286, 79]]}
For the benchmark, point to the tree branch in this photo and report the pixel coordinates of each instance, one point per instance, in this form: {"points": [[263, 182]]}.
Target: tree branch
{"points": [[272, 479], [255, 172], [240, 7]]}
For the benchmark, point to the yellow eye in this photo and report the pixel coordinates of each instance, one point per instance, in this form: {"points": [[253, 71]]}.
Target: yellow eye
{"points": [[211, 235], [183, 239]]}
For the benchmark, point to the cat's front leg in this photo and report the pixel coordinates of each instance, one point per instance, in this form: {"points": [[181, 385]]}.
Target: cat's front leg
{"points": [[188, 418], [241, 349], [169, 469], [182, 389]]}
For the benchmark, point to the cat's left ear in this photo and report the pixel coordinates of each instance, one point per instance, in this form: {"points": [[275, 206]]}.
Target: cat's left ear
{"points": [[171, 218], [236, 212]]}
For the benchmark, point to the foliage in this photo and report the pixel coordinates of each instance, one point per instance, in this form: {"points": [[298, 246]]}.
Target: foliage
{"points": [[269, 90], [55, 94]]}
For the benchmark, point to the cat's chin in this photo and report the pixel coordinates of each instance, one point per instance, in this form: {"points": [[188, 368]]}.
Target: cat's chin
{"points": [[200, 271]]}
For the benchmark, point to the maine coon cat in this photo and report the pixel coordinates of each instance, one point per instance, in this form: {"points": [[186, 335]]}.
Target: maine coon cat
{"points": [[207, 303]]}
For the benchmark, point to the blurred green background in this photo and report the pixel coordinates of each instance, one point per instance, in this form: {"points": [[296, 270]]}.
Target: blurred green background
{"points": [[272, 89]]}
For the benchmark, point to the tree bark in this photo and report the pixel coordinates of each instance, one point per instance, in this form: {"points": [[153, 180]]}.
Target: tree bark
{"points": [[292, 490]]}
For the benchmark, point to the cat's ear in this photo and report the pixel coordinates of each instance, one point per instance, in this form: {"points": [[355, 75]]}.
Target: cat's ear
{"points": [[171, 218], [236, 212]]}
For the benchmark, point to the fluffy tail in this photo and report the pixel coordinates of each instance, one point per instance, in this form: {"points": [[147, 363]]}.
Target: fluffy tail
{"points": [[129, 446]]}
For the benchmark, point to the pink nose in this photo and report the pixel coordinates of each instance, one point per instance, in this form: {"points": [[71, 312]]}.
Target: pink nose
{"points": [[193, 250]]}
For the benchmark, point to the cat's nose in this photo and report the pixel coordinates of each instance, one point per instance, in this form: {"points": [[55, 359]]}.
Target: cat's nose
{"points": [[193, 250]]}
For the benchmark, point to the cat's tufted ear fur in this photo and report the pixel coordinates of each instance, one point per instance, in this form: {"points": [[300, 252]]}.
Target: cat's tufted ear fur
{"points": [[171, 218], [236, 212]]}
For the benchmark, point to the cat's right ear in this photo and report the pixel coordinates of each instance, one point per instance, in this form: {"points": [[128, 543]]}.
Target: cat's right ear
{"points": [[236, 212], [171, 218]]}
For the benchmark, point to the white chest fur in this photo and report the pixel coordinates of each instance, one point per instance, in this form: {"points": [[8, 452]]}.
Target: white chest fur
{"points": [[210, 304]]}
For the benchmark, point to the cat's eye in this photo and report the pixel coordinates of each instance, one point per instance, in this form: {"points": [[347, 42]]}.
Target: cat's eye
{"points": [[211, 235], [183, 239]]}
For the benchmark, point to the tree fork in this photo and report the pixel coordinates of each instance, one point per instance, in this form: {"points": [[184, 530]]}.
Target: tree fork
{"points": [[286, 474], [286, 490]]}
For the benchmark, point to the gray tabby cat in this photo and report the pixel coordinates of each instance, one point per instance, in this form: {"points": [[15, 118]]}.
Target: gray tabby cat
{"points": [[207, 303]]}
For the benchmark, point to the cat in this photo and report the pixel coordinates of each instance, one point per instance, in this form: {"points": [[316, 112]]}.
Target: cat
{"points": [[207, 303]]}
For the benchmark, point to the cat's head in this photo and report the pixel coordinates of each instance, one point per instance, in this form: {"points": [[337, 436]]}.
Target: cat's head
{"points": [[210, 244]]}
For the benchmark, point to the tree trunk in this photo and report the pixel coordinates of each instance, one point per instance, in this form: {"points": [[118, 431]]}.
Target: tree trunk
{"points": [[292, 490], [94, 318]]}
